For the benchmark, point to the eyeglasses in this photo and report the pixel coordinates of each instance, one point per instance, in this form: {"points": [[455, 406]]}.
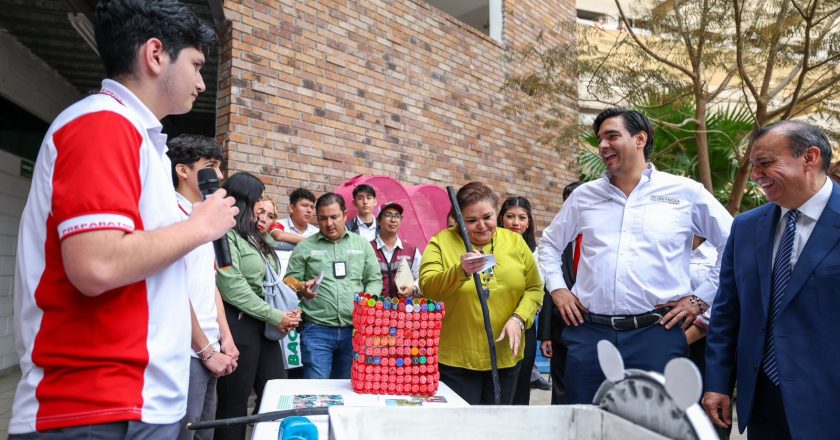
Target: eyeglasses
{"points": [[392, 215]]}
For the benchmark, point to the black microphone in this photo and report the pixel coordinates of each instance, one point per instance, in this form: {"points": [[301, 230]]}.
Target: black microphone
{"points": [[208, 183]]}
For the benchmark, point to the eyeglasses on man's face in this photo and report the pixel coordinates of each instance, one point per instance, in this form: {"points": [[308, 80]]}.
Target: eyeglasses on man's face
{"points": [[392, 215]]}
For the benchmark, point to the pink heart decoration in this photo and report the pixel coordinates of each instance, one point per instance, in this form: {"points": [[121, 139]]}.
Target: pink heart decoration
{"points": [[426, 206]]}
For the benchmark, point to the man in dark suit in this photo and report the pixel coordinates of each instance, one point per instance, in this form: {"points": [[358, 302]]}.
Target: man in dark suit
{"points": [[774, 320], [551, 323]]}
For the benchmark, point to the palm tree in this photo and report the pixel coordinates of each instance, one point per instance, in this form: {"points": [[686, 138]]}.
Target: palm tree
{"points": [[675, 149]]}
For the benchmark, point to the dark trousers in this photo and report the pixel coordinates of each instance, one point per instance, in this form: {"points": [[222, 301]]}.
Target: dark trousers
{"points": [[697, 354], [260, 360], [107, 431], [522, 395], [648, 349], [557, 363], [768, 420], [295, 373], [476, 387]]}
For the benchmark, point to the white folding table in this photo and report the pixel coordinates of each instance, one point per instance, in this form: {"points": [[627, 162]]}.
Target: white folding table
{"points": [[280, 394]]}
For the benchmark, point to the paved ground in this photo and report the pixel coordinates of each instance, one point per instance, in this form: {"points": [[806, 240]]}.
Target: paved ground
{"points": [[9, 381]]}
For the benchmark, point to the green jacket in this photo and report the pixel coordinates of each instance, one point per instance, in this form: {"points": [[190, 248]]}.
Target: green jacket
{"points": [[241, 285], [333, 306]]}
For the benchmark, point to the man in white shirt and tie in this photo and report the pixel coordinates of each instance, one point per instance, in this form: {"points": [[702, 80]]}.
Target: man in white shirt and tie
{"points": [[632, 285]]}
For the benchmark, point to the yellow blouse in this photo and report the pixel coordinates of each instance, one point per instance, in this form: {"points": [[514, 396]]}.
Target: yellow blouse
{"points": [[515, 287]]}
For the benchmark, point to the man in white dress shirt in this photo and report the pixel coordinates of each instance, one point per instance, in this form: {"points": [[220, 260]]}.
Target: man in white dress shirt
{"points": [[632, 285]]}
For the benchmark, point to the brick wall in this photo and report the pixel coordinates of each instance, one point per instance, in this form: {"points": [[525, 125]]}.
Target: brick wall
{"points": [[313, 93]]}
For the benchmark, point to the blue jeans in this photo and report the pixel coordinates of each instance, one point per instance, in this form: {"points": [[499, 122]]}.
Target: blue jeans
{"points": [[327, 351]]}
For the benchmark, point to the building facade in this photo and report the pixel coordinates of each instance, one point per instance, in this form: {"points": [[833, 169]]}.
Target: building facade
{"points": [[320, 91], [309, 93]]}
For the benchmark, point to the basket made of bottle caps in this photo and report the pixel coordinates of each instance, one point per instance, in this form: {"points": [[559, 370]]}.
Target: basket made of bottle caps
{"points": [[395, 345]]}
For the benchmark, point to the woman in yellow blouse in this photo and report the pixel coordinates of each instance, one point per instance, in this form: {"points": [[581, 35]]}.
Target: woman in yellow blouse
{"points": [[515, 295]]}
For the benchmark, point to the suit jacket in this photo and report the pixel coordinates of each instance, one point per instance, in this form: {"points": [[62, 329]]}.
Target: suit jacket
{"points": [[806, 327], [353, 226], [549, 311]]}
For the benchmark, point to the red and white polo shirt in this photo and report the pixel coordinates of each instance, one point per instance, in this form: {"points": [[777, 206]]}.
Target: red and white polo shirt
{"points": [[123, 355]]}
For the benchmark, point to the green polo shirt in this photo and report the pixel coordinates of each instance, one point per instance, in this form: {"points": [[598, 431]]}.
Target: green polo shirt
{"points": [[333, 306]]}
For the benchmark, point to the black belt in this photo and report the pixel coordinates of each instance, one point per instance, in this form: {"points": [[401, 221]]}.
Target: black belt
{"points": [[627, 322]]}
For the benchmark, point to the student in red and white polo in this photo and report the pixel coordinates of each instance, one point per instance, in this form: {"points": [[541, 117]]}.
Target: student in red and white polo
{"points": [[101, 307]]}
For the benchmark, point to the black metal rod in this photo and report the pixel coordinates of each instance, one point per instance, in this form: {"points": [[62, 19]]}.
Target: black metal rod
{"points": [[483, 294], [264, 417]]}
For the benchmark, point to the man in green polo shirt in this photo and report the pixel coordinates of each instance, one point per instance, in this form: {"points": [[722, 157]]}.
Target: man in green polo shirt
{"points": [[335, 265]]}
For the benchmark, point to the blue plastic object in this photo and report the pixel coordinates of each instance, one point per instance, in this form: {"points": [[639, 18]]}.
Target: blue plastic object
{"points": [[297, 428]]}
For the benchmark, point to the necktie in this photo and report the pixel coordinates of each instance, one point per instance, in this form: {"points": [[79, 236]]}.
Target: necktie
{"points": [[781, 275], [576, 259]]}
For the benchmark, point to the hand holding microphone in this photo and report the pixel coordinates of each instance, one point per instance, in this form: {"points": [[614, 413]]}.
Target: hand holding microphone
{"points": [[217, 212]]}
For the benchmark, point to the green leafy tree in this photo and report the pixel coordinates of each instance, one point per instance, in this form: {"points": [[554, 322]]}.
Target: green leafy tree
{"points": [[675, 149], [777, 59]]}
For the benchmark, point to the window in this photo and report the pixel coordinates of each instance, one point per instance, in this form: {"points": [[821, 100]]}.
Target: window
{"points": [[484, 15]]}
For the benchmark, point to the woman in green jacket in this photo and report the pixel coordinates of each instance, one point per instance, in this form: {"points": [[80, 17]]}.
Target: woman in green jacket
{"points": [[241, 288], [515, 295]]}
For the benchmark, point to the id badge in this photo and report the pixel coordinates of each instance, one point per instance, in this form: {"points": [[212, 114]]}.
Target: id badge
{"points": [[339, 269]]}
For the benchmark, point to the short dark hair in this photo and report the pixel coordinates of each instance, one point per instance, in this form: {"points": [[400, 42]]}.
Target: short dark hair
{"points": [[801, 136], [364, 188], [190, 148], [567, 191], [328, 199], [634, 122], [475, 192], [301, 193], [122, 26]]}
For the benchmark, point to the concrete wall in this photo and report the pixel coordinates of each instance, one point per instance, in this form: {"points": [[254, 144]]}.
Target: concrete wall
{"points": [[30, 83], [13, 192], [27, 81]]}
